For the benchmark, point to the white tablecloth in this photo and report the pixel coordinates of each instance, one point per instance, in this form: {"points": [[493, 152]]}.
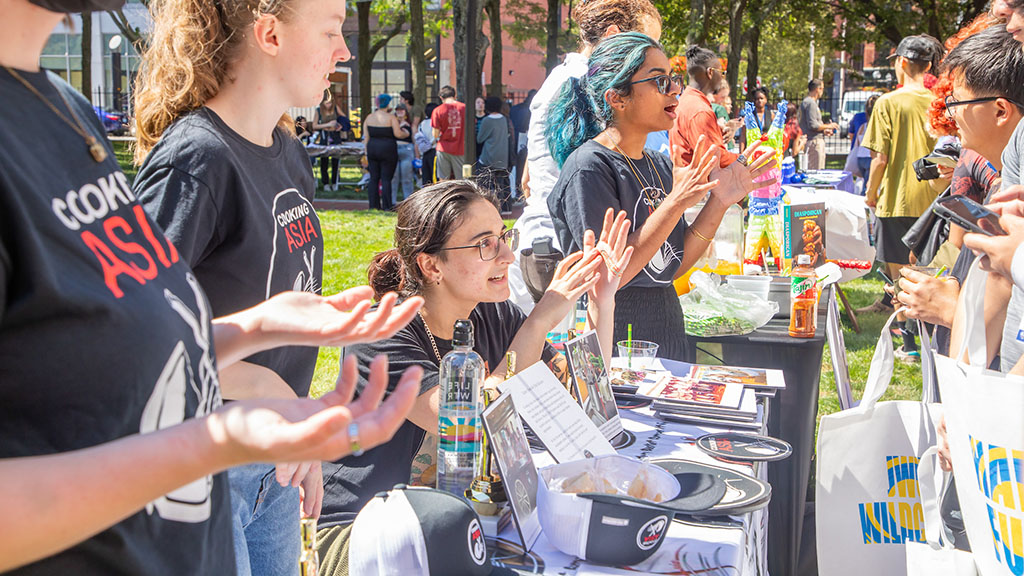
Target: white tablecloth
{"points": [[687, 549]]}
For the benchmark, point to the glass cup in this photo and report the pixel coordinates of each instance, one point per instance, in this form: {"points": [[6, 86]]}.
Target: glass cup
{"points": [[641, 353]]}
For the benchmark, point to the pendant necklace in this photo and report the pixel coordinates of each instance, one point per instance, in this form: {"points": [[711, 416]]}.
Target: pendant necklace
{"points": [[99, 153]]}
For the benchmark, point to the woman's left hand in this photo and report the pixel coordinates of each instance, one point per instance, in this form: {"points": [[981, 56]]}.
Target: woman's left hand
{"points": [[614, 251], [736, 180]]}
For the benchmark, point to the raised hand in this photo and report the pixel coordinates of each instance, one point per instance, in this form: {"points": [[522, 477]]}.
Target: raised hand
{"points": [[690, 182], [305, 319], [614, 251], [736, 180], [574, 275], [304, 429]]}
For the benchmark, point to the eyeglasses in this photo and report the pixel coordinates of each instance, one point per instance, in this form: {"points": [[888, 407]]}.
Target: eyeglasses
{"points": [[951, 102], [663, 81], [490, 246]]}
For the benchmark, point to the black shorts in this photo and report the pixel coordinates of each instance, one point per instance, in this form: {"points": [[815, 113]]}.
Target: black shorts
{"points": [[889, 246]]}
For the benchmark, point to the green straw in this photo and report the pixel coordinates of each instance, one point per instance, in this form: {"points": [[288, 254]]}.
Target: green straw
{"points": [[941, 271], [629, 346]]}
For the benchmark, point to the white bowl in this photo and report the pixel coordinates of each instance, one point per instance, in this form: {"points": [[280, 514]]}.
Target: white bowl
{"points": [[756, 285]]}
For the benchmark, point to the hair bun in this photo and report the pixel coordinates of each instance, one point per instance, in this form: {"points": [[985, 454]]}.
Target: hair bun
{"points": [[386, 273]]}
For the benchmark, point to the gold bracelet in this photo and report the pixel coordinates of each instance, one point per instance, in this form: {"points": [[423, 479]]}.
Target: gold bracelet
{"points": [[699, 235]]}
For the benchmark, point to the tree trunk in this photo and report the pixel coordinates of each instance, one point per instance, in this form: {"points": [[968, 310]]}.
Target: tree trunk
{"points": [[553, 30], [494, 17], [736, 9], [754, 44], [417, 59], [364, 60], [693, 31], [86, 55], [368, 51], [705, 31], [459, 40], [753, 59]]}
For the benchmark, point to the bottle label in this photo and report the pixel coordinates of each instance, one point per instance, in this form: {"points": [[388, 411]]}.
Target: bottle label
{"points": [[458, 428], [802, 287]]}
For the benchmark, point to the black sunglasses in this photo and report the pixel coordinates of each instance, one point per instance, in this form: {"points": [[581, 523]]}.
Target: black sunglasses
{"points": [[664, 82], [490, 246]]}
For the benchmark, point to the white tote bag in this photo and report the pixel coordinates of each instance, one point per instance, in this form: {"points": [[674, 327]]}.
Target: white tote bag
{"points": [[985, 427], [868, 504]]}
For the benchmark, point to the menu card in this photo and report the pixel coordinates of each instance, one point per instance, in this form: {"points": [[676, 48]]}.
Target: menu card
{"points": [[559, 422]]}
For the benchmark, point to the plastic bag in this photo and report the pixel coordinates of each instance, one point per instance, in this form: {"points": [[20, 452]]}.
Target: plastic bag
{"points": [[710, 309]]}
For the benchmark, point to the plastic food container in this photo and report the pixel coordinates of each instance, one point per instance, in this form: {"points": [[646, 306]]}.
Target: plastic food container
{"points": [[756, 285]]}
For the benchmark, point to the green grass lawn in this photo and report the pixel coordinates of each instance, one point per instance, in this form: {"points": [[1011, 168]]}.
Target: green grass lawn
{"points": [[352, 238]]}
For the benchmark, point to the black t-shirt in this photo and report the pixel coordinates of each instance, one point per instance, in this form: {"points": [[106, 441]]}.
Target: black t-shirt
{"points": [[349, 483], [242, 216], [104, 333], [595, 178]]}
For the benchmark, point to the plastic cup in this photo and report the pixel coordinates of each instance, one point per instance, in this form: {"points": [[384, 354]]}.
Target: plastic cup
{"points": [[927, 270], [642, 352]]}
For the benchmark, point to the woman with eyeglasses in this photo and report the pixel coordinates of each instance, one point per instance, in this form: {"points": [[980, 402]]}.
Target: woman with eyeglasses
{"points": [[453, 249], [627, 93]]}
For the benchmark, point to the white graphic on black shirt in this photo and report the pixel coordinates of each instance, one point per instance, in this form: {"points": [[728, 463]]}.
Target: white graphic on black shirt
{"points": [[167, 404], [296, 231], [648, 201]]}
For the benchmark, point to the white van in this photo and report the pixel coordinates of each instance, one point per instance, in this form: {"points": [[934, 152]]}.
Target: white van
{"points": [[853, 102]]}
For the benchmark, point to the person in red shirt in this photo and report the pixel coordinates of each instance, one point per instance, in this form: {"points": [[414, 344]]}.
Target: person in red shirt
{"points": [[694, 116], [448, 122]]}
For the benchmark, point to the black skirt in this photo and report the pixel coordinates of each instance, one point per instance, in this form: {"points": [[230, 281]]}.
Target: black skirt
{"points": [[656, 316]]}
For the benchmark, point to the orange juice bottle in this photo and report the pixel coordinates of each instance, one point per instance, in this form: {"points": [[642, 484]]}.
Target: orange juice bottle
{"points": [[803, 297]]}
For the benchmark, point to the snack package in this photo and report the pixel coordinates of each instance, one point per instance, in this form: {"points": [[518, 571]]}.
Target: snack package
{"points": [[710, 309], [610, 476]]}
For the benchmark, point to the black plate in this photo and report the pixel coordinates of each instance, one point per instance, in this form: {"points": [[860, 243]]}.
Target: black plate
{"points": [[625, 439], [743, 493], [742, 447]]}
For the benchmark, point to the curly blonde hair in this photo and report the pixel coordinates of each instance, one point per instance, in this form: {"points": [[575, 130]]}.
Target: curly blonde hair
{"points": [[188, 58]]}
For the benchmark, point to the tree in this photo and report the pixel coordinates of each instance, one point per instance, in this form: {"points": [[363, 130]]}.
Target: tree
{"points": [[873, 20], [732, 72], [416, 56], [493, 8], [371, 44], [87, 55], [130, 33], [459, 24], [553, 28]]}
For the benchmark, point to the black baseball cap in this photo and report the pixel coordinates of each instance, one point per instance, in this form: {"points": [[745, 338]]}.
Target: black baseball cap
{"points": [[919, 48], [419, 531]]}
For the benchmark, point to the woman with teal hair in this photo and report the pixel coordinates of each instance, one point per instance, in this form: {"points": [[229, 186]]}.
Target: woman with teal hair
{"points": [[605, 116]]}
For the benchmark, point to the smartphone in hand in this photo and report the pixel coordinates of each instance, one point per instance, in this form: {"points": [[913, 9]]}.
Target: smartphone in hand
{"points": [[970, 215]]}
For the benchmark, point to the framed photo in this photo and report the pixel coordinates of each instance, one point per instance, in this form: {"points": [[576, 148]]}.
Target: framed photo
{"points": [[507, 440], [591, 383]]}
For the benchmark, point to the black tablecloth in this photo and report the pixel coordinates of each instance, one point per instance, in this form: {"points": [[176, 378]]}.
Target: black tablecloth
{"points": [[794, 413]]}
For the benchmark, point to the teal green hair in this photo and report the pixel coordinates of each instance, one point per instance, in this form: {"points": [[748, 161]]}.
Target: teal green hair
{"points": [[580, 112]]}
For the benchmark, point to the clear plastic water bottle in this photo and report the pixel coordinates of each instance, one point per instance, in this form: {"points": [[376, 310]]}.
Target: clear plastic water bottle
{"points": [[459, 427]]}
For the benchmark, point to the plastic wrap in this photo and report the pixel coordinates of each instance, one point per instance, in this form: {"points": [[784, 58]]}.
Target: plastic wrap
{"points": [[711, 309]]}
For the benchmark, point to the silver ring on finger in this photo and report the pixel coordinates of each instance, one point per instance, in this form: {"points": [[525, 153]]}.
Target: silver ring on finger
{"points": [[353, 440], [742, 160]]}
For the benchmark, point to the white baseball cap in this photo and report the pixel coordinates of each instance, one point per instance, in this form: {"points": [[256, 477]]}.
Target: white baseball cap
{"points": [[411, 531]]}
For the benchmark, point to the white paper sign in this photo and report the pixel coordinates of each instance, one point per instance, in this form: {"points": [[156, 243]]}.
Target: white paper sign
{"points": [[554, 416]]}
